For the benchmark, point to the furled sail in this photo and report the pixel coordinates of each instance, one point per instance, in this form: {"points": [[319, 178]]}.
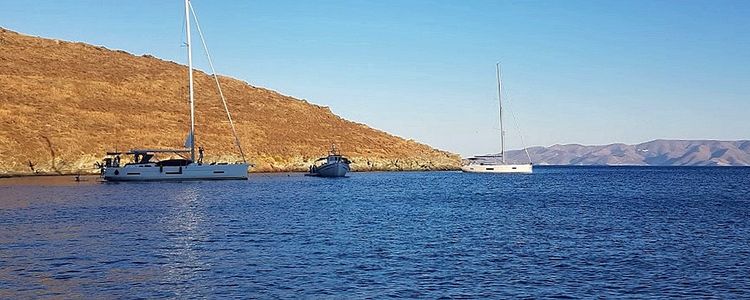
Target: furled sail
{"points": [[189, 140]]}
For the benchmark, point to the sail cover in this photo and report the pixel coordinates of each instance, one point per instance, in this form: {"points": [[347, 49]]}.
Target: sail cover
{"points": [[189, 140]]}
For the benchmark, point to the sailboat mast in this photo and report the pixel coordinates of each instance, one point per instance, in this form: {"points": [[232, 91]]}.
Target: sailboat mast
{"points": [[190, 79], [500, 102]]}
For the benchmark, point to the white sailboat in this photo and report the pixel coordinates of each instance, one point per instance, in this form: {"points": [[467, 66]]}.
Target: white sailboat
{"points": [[144, 166], [496, 163]]}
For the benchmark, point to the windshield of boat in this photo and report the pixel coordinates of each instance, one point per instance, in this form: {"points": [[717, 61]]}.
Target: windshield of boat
{"points": [[174, 162]]}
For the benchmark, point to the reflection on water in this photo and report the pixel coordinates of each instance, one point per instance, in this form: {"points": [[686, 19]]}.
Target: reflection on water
{"points": [[184, 233], [561, 232]]}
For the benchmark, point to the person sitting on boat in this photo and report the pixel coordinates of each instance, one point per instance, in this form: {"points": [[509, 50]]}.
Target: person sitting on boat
{"points": [[200, 155]]}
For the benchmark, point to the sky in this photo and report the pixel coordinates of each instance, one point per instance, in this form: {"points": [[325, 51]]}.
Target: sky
{"points": [[586, 72]]}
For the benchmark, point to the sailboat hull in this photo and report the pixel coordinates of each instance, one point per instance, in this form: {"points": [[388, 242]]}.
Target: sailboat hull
{"points": [[491, 168], [151, 172]]}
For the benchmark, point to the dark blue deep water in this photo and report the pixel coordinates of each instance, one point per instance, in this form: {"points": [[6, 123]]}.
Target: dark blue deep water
{"points": [[561, 232]]}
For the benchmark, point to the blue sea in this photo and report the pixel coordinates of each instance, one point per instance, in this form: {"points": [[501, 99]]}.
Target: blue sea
{"points": [[563, 232]]}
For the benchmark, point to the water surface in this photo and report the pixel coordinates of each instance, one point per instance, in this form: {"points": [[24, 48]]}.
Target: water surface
{"points": [[561, 232]]}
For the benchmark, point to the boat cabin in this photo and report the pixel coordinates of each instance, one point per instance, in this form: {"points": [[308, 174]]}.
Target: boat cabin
{"points": [[484, 160], [333, 158], [146, 157]]}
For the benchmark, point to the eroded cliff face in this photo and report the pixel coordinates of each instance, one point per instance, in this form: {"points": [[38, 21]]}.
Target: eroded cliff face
{"points": [[64, 104]]}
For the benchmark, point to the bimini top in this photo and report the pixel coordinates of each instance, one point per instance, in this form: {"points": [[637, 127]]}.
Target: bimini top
{"points": [[145, 151]]}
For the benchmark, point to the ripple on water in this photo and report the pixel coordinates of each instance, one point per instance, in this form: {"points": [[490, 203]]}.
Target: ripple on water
{"points": [[559, 233]]}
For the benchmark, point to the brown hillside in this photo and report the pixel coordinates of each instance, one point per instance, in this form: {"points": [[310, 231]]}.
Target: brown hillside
{"points": [[63, 104]]}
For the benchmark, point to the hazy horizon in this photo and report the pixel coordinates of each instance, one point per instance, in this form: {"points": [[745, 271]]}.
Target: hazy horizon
{"points": [[575, 72]]}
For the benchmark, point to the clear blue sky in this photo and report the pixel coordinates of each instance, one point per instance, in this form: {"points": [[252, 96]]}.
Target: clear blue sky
{"points": [[587, 72]]}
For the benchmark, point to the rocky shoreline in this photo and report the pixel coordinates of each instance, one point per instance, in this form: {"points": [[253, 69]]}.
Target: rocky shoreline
{"points": [[359, 164]]}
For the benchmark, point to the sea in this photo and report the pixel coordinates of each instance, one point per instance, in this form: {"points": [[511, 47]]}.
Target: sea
{"points": [[562, 232]]}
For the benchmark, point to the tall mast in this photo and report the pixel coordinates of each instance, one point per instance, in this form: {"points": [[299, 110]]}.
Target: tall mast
{"points": [[500, 102], [190, 78]]}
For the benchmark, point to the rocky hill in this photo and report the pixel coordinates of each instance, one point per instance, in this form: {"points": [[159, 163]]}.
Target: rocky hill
{"points": [[653, 153], [63, 104]]}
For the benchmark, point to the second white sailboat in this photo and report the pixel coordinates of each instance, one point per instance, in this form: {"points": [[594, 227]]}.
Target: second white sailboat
{"points": [[497, 163]]}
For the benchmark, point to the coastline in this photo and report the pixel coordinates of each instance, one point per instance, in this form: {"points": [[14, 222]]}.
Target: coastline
{"points": [[300, 171]]}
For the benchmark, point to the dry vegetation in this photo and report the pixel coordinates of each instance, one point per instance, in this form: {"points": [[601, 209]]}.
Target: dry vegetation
{"points": [[63, 104]]}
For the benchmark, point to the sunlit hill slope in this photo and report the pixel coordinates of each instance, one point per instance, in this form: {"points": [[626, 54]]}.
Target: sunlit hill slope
{"points": [[63, 104]]}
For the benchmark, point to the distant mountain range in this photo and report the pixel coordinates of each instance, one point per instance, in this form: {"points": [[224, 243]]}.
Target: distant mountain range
{"points": [[653, 153]]}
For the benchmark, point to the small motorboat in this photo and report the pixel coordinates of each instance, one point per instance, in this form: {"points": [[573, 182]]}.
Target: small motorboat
{"points": [[333, 165]]}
